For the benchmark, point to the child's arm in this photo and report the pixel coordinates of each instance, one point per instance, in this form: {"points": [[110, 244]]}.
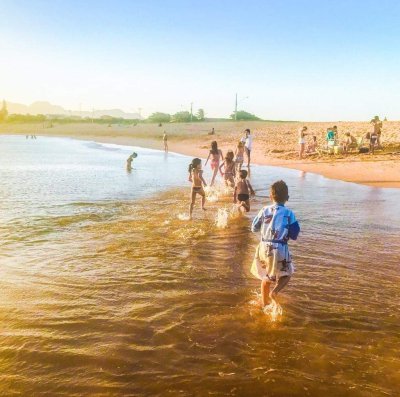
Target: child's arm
{"points": [[257, 221], [235, 195], [209, 154], [202, 179], [220, 168], [252, 192]]}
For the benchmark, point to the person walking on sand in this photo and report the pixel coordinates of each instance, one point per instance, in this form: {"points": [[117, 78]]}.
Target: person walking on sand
{"points": [[242, 192], [196, 177], [272, 263], [165, 140], [302, 141], [216, 157]]}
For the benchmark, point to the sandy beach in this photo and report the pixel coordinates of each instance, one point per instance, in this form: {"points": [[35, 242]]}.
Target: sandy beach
{"points": [[275, 143]]}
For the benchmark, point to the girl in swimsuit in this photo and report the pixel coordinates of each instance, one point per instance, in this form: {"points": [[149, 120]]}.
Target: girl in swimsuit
{"points": [[216, 156], [229, 166], [242, 192], [239, 153], [302, 141], [196, 177]]}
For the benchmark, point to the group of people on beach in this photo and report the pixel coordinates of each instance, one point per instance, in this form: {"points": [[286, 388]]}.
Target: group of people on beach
{"points": [[344, 145], [272, 262]]}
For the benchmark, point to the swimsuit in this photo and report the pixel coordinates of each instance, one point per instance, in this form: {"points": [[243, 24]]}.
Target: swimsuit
{"points": [[243, 197], [214, 164], [239, 159], [197, 189]]}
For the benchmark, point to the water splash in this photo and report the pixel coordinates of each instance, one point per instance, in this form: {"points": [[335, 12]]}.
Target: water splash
{"points": [[222, 218], [183, 217], [274, 311], [212, 193]]}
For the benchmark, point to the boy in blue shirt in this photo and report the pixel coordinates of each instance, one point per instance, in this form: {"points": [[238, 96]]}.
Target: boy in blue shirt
{"points": [[273, 263]]}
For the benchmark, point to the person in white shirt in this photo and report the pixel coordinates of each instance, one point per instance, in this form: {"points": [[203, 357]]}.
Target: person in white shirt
{"points": [[248, 144]]}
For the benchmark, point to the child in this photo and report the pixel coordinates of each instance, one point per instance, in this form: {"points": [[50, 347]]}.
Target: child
{"points": [[165, 140], [278, 224], [372, 142], [313, 145], [129, 161], [239, 153], [242, 192], [229, 166], [302, 141], [196, 177], [216, 156]]}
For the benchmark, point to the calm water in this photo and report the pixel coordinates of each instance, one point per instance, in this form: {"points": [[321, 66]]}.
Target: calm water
{"points": [[104, 291]]}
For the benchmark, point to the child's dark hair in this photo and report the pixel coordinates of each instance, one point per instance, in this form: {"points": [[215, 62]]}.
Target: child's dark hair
{"points": [[279, 192], [214, 147], [195, 162], [229, 156], [247, 130], [243, 174]]}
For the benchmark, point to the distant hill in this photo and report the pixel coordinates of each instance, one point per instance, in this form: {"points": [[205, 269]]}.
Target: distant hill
{"points": [[42, 107]]}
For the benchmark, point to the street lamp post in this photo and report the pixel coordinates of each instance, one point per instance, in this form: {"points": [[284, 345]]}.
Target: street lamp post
{"points": [[236, 104]]}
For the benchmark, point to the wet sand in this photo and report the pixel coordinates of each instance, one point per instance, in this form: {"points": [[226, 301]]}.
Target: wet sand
{"points": [[274, 144]]}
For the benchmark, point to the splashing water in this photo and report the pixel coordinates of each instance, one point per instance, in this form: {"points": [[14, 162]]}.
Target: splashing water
{"points": [[222, 218], [274, 311], [183, 217], [212, 194]]}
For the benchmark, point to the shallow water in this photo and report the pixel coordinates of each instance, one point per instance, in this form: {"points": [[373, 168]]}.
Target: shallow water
{"points": [[105, 291]]}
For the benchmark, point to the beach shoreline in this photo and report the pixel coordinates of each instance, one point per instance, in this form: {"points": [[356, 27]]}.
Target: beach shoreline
{"points": [[376, 171]]}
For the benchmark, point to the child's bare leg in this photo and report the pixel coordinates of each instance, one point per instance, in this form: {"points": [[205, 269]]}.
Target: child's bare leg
{"points": [[282, 282], [203, 201], [192, 204], [265, 299], [214, 176], [246, 205]]}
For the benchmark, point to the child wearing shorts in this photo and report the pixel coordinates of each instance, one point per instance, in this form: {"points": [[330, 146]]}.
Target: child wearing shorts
{"points": [[272, 263]]}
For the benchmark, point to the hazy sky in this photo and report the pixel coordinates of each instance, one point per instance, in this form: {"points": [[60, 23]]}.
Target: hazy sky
{"points": [[293, 59]]}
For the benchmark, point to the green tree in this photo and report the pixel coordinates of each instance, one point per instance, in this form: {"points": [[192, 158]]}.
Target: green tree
{"points": [[242, 115], [182, 117], [159, 117], [200, 115], [3, 111]]}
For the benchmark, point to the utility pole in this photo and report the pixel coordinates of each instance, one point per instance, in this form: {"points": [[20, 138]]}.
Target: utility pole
{"points": [[191, 111], [236, 107]]}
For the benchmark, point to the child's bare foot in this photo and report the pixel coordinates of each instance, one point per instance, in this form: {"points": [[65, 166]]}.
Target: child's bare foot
{"points": [[204, 209]]}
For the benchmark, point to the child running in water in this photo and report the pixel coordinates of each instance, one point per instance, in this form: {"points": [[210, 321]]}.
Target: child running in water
{"points": [[196, 177], [272, 263], [229, 168], [216, 156], [239, 153], [242, 192]]}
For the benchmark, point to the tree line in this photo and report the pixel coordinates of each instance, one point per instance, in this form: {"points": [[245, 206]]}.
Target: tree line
{"points": [[156, 117]]}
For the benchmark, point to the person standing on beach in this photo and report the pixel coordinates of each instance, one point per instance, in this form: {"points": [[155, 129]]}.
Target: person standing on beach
{"points": [[377, 129], [165, 140], [302, 141]]}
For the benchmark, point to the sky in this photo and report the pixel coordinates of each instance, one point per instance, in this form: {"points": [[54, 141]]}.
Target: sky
{"points": [[287, 60]]}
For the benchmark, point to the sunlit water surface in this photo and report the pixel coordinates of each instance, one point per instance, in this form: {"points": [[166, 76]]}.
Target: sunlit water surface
{"points": [[106, 289]]}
